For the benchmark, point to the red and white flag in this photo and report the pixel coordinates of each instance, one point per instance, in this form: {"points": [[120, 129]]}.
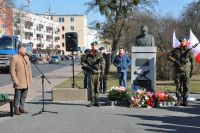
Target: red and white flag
{"points": [[176, 42], [196, 50]]}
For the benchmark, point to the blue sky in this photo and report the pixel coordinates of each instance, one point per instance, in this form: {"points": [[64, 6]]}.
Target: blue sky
{"points": [[173, 7]]}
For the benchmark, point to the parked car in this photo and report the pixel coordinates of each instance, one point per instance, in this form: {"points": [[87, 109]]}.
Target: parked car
{"points": [[55, 59], [67, 57], [34, 59]]}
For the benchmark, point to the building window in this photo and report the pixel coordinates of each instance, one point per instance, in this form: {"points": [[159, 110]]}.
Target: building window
{"points": [[72, 19], [63, 28], [61, 19], [63, 36], [63, 45], [72, 28]]}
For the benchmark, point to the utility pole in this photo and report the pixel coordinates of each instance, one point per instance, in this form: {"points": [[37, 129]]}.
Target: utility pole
{"points": [[20, 19]]}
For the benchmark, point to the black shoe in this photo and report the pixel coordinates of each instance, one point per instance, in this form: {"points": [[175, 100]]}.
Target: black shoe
{"points": [[23, 111], [97, 104], [104, 92], [184, 104], [91, 104], [17, 112]]}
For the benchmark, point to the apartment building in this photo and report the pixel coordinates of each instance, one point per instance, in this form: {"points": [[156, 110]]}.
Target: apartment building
{"points": [[46, 32], [72, 23], [39, 30]]}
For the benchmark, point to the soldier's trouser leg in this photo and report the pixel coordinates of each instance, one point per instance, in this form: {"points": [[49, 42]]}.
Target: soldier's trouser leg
{"points": [[177, 81], [96, 89], [185, 91], [85, 80], [101, 85], [91, 90], [104, 85]]}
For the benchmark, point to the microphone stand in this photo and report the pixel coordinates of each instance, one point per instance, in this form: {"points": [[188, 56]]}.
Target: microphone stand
{"points": [[42, 77], [73, 82]]}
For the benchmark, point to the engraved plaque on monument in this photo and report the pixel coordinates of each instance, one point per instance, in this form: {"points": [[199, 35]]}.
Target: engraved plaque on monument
{"points": [[143, 69]]}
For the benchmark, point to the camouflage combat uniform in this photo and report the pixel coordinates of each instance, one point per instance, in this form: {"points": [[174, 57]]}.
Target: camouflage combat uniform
{"points": [[83, 63], [183, 67], [93, 65], [105, 71]]}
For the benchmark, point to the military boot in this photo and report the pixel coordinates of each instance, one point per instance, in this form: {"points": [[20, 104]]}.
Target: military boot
{"points": [[178, 103], [185, 101], [97, 104], [92, 103]]}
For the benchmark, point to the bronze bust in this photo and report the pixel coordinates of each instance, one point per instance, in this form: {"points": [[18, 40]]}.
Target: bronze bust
{"points": [[144, 39]]}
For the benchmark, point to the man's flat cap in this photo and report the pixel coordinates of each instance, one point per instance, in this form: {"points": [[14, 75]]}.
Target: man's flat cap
{"points": [[21, 45]]}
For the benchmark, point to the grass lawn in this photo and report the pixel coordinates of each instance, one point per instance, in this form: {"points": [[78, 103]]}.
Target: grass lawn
{"points": [[167, 86]]}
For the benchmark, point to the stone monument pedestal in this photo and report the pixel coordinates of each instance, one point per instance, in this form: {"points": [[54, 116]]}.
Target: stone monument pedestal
{"points": [[143, 68]]}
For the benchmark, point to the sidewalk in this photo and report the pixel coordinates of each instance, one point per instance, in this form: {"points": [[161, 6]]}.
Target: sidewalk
{"points": [[35, 90]]}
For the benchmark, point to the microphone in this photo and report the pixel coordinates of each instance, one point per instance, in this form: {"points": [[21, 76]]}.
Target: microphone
{"points": [[28, 55]]}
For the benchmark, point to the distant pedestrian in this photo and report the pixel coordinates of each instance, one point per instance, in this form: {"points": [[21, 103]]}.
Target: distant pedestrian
{"points": [[122, 61], [21, 75], [105, 70]]}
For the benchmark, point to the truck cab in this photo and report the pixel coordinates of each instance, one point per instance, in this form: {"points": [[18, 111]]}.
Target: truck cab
{"points": [[8, 48]]}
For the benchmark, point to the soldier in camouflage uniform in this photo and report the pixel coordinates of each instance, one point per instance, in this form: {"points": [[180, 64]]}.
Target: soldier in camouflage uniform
{"points": [[94, 64], [83, 63], [183, 67], [105, 70]]}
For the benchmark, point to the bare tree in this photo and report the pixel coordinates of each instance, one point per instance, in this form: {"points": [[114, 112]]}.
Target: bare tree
{"points": [[190, 17], [117, 13], [6, 15]]}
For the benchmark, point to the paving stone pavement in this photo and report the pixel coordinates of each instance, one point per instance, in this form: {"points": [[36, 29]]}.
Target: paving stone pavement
{"points": [[75, 117]]}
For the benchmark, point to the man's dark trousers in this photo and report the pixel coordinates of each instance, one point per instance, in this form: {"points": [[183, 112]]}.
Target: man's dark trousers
{"points": [[19, 98]]}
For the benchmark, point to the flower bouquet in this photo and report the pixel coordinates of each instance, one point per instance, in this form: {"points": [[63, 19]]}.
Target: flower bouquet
{"points": [[119, 94]]}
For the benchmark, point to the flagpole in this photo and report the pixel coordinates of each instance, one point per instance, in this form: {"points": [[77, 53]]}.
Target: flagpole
{"points": [[29, 1], [28, 7]]}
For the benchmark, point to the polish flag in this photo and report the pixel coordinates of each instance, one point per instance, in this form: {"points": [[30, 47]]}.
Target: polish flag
{"points": [[196, 50], [176, 42]]}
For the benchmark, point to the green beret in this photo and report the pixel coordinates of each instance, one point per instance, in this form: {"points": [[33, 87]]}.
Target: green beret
{"points": [[94, 43]]}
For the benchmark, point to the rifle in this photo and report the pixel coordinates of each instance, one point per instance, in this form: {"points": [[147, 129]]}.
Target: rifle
{"points": [[194, 46], [183, 61]]}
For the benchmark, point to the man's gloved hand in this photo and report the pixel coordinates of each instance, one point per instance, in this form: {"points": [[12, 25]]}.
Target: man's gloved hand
{"points": [[177, 63], [95, 71]]}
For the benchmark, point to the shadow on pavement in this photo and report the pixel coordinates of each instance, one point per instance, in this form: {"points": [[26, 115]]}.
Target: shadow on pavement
{"points": [[193, 108], [183, 123]]}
